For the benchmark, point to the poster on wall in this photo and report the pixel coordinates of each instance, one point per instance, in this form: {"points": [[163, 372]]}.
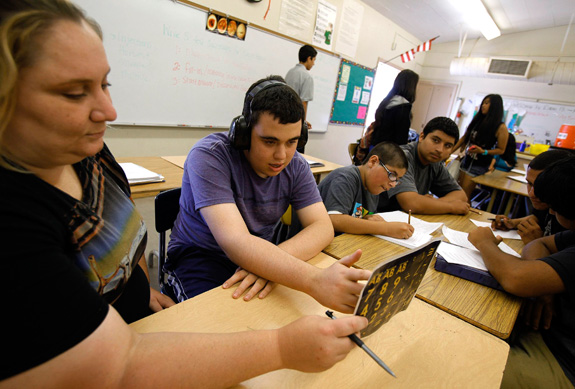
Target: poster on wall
{"points": [[349, 26], [295, 16], [324, 25], [352, 93]]}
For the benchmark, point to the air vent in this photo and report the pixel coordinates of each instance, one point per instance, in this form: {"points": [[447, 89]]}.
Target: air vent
{"points": [[509, 67]]}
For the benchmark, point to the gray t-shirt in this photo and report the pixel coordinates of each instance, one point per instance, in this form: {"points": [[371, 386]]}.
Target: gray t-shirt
{"points": [[423, 179], [301, 81], [343, 193]]}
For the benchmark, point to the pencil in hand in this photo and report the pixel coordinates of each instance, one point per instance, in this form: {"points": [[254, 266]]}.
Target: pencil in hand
{"points": [[409, 217]]}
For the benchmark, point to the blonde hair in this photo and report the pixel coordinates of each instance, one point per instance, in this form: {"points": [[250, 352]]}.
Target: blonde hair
{"points": [[22, 25]]}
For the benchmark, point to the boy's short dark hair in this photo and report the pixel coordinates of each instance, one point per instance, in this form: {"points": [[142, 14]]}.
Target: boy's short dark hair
{"points": [[555, 186], [389, 154], [443, 124], [305, 52], [548, 157], [282, 102]]}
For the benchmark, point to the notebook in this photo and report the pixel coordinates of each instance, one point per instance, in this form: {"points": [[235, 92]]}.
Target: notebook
{"points": [[139, 175], [393, 284]]}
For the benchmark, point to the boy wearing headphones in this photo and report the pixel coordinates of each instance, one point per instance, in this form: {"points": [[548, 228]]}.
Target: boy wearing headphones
{"points": [[235, 188]]}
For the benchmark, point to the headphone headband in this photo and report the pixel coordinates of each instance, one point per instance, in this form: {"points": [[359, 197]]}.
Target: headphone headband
{"points": [[240, 129]]}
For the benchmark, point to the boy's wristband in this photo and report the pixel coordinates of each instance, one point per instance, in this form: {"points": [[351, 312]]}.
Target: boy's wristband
{"points": [[484, 152]]}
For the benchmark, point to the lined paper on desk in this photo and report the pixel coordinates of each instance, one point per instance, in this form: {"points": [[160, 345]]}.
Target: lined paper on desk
{"points": [[422, 229], [140, 175], [460, 239], [511, 234]]}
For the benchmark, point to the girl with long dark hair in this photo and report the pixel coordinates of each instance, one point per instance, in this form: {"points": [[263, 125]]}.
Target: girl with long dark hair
{"points": [[393, 116], [486, 136]]}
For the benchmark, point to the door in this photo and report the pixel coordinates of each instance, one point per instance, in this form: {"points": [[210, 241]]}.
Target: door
{"points": [[432, 99]]}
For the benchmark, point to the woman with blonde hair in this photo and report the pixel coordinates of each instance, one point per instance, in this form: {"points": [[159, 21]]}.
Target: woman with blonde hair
{"points": [[73, 242]]}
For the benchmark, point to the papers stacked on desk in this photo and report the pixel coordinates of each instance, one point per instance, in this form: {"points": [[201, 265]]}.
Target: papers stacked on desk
{"points": [[421, 235], [460, 258], [518, 178], [313, 163], [139, 175], [511, 234]]}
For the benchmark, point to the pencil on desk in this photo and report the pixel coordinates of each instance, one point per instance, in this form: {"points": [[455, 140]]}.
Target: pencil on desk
{"points": [[409, 217], [475, 211]]}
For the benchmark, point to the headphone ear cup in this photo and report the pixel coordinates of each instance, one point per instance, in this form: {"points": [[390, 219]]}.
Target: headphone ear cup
{"points": [[303, 136], [239, 133]]}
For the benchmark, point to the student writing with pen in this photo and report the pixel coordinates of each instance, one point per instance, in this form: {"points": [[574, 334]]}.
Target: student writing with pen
{"points": [[540, 222], [542, 353], [351, 193]]}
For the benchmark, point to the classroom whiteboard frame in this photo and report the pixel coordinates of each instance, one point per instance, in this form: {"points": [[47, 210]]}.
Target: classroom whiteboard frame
{"points": [[134, 104]]}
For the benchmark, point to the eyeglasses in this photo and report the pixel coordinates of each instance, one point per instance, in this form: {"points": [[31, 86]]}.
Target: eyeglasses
{"points": [[391, 175]]}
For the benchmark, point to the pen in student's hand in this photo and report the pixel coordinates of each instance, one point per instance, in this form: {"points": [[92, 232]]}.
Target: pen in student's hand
{"points": [[362, 345], [409, 217], [491, 219]]}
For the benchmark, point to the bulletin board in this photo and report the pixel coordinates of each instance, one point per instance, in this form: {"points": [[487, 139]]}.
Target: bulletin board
{"points": [[352, 93]]}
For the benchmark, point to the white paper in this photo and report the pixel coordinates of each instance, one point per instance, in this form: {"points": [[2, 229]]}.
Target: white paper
{"points": [[324, 24], [313, 163], [349, 28], [512, 234], [518, 178], [365, 98], [462, 256], [139, 175], [419, 225], [295, 18], [341, 92], [461, 239], [518, 171], [422, 229], [416, 240]]}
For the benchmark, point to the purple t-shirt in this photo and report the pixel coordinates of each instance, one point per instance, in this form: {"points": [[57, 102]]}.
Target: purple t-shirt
{"points": [[216, 173]]}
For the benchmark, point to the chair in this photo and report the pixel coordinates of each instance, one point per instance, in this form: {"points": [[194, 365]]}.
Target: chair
{"points": [[351, 148], [167, 206]]}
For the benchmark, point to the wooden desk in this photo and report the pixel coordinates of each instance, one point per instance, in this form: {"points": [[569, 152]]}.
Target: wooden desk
{"points": [[172, 174], [318, 172], [489, 309], [498, 181], [424, 346]]}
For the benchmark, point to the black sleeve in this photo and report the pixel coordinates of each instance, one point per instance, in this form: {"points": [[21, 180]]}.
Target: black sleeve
{"points": [[49, 305], [393, 125]]}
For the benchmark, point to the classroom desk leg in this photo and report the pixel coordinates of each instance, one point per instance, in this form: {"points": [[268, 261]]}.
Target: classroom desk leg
{"points": [[509, 204], [492, 200]]}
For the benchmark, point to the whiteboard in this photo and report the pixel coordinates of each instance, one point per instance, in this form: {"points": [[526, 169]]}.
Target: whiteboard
{"points": [[168, 70], [541, 121]]}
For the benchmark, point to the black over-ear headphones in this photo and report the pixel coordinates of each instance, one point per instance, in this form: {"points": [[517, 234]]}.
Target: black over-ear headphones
{"points": [[240, 130]]}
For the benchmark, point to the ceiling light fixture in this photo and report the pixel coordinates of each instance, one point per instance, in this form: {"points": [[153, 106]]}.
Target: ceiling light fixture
{"points": [[476, 16]]}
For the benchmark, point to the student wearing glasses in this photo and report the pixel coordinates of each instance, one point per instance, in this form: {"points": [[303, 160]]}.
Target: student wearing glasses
{"points": [[351, 193], [427, 187]]}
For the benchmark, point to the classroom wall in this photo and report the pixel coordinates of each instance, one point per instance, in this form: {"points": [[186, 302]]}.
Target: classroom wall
{"points": [[539, 45], [376, 37]]}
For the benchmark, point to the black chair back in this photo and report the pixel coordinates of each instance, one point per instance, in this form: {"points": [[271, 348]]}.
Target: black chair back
{"points": [[167, 206]]}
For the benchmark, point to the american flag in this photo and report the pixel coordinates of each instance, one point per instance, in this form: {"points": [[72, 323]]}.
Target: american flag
{"points": [[408, 56], [424, 46]]}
